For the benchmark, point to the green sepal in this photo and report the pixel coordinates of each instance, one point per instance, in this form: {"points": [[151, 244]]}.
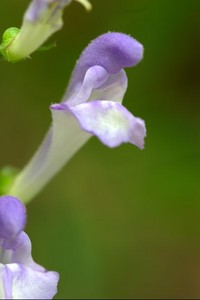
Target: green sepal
{"points": [[8, 36], [7, 176]]}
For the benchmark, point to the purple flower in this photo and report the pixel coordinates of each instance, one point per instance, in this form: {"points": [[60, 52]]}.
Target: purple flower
{"points": [[20, 276], [97, 88], [91, 106]]}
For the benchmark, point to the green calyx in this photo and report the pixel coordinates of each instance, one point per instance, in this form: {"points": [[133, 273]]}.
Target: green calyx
{"points": [[8, 46], [7, 176], [8, 37]]}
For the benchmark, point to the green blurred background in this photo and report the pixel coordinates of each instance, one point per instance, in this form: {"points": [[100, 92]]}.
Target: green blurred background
{"points": [[116, 223]]}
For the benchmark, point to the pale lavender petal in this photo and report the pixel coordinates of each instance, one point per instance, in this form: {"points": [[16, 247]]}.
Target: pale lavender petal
{"points": [[18, 250], [2, 294], [38, 7], [5, 278], [113, 89], [12, 217], [99, 84], [94, 78], [112, 51], [20, 282], [111, 122]]}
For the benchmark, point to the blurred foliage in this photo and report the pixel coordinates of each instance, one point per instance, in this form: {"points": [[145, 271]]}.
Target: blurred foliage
{"points": [[120, 223]]}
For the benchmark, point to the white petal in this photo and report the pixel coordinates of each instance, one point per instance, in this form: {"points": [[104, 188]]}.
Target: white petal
{"points": [[2, 294], [24, 283], [111, 122]]}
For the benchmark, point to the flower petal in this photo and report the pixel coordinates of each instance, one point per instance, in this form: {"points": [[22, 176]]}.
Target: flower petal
{"points": [[111, 122], [113, 51], [20, 282], [94, 78], [15, 245], [39, 9], [2, 294], [12, 217], [18, 250], [99, 84]]}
